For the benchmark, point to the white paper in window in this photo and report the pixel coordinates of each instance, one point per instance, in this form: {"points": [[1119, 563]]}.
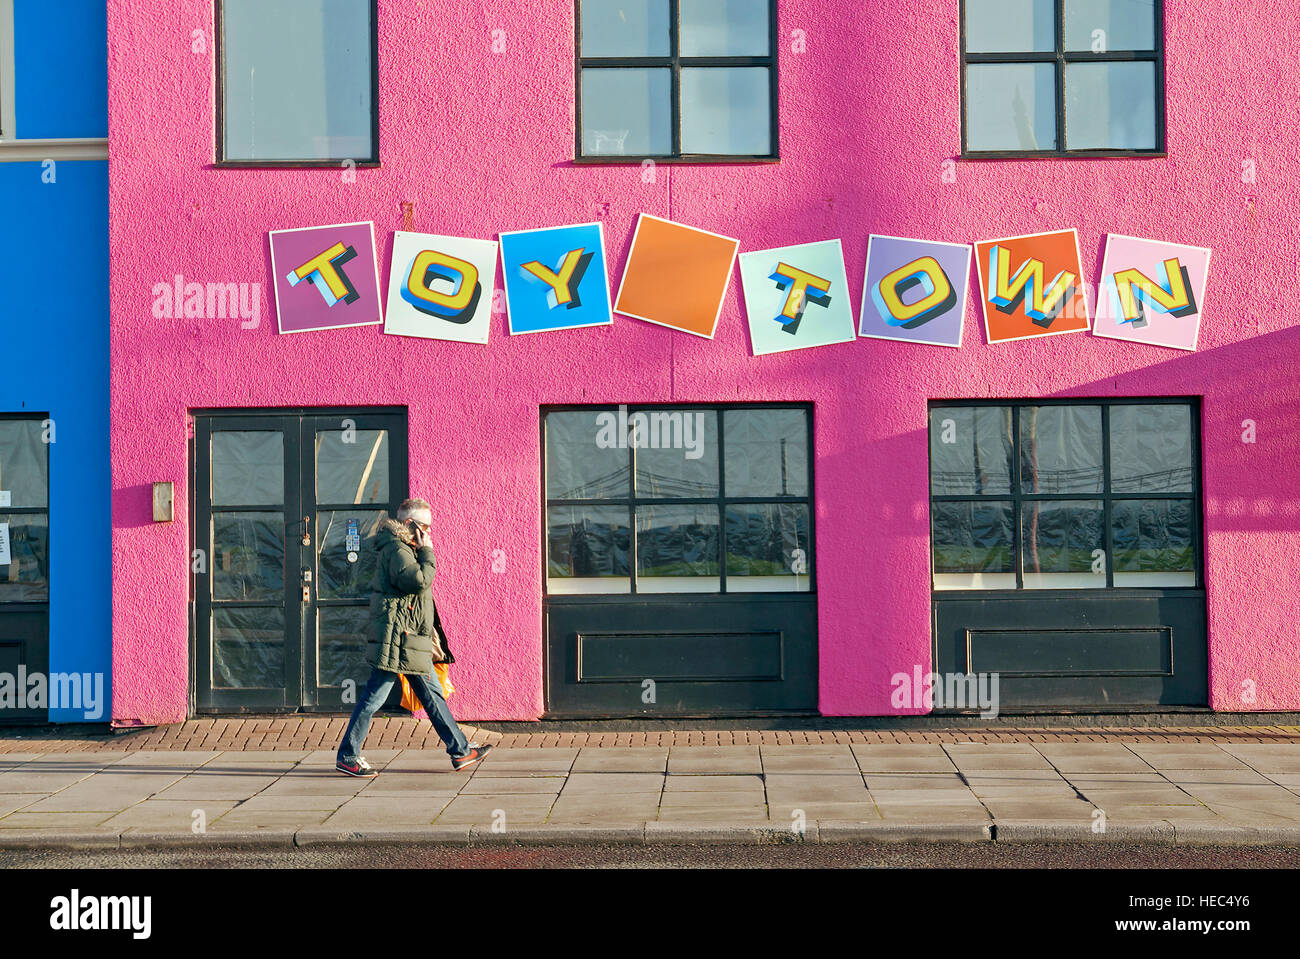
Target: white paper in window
{"points": [[5, 559], [6, 499]]}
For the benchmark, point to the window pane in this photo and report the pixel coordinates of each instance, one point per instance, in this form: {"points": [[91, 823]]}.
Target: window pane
{"points": [[248, 556], [297, 79], [725, 28], [26, 577], [248, 648], [587, 549], [767, 452], [677, 452], [970, 450], [1010, 106], [352, 466], [1060, 449], [726, 110], [1153, 542], [626, 112], [341, 637], [586, 456], [341, 576], [1110, 106], [24, 464], [677, 549], [973, 545], [1064, 545], [625, 28], [767, 548], [247, 468], [1151, 449], [1103, 26], [1010, 26]]}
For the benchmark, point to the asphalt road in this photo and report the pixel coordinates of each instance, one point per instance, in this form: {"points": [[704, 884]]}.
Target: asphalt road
{"points": [[818, 856]]}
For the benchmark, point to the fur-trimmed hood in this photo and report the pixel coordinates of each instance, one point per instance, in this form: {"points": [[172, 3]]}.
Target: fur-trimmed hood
{"points": [[391, 529]]}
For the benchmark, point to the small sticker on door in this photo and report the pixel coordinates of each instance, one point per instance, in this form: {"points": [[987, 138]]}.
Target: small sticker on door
{"points": [[5, 499], [352, 540], [5, 558]]}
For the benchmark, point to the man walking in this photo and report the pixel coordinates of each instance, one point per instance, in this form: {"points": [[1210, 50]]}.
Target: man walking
{"points": [[405, 637]]}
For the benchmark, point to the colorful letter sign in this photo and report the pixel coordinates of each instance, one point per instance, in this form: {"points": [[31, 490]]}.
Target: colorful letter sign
{"points": [[676, 276], [441, 287], [555, 278], [915, 290], [1032, 286], [1151, 292], [796, 297], [325, 277]]}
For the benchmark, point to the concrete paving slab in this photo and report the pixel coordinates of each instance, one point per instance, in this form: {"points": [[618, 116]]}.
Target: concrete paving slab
{"points": [[269, 818], [1215, 792], [1178, 756], [1168, 813], [919, 798], [676, 783], [1267, 757], [564, 756], [1037, 793], [274, 804], [9, 802], [802, 790], [27, 779], [1092, 757], [1117, 779], [216, 787], [53, 820], [902, 758], [822, 809], [504, 786], [1239, 811], [168, 758], [299, 783], [523, 808], [1217, 777], [604, 784], [1136, 795], [906, 812], [240, 757], [163, 814], [385, 811], [1011, 776], [786, 760], [406, 784], [599, 809], [711, 799], [1029, 809], [633, 759], [746, 812], [885, 782], [714, 760]]}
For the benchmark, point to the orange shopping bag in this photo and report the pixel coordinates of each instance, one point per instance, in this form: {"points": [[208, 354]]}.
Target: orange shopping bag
{"points": [[411, 702]]}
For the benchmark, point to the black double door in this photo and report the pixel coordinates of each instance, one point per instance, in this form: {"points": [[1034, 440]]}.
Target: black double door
{"points": [[285, 502]]}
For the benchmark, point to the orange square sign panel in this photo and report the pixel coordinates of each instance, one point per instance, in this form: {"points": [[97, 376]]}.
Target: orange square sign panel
{"points": [[1032, 286], [676, 276]]}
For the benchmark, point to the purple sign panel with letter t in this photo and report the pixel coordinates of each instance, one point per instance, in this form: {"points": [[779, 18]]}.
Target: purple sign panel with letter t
{"points": [[325, 277]]}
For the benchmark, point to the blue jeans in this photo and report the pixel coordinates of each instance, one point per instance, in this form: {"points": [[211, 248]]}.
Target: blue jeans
{"points": [[428, 691]]}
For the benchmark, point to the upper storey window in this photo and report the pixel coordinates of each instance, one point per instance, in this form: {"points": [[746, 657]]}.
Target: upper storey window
{"points": [[298, 84], [677, 80], [1062, 78]]}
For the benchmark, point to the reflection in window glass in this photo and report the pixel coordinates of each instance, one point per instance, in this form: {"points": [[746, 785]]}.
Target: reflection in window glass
{"points": [[625, 28], [586, 456], [587, 549], [1151, 449], [1060, 449], [1103, 26], [247, 468], [626, 112], [726, 110], [1011, 106], [26, 577], [970, 450], [768, 547], [342, 577], [973, 545], [1010, 26], [1154, 542], [248, 556], [248, 647], [24, 464], [297, 79], [1110, 106], [725, 28], [677, 549], [766, 452], [352, 466], [676, 452], [341, 637], [1064, 545]]}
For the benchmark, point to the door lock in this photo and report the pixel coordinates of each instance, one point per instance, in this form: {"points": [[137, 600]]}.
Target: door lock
{"points": [[306, 585], [306, 533]]}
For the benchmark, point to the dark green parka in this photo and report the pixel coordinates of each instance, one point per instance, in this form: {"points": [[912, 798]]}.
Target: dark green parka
{"points": [[403, 616]]}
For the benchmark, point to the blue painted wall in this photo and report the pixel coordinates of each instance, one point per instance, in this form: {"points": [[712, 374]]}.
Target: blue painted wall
{"points": [[54, 318], [60, 68]]}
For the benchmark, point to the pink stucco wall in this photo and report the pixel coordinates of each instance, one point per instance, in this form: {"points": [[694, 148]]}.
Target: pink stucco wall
{"points": [[482, 142]]}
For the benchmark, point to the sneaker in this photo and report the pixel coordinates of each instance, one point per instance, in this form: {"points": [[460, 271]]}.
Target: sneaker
{"points": [[476, 753], [360, 768]]}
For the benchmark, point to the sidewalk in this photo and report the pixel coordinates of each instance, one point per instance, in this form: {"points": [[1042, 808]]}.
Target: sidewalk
{"points": [[929, 792]]}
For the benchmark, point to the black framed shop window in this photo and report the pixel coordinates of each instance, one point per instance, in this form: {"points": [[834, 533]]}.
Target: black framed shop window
{"points": [[1062, 78], [297, 83], [24, 509], [1065, 494], [676, 80], [650, 499]]}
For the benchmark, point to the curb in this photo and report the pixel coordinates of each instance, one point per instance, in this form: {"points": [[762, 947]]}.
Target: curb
{"points": [[1147, 832]]}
